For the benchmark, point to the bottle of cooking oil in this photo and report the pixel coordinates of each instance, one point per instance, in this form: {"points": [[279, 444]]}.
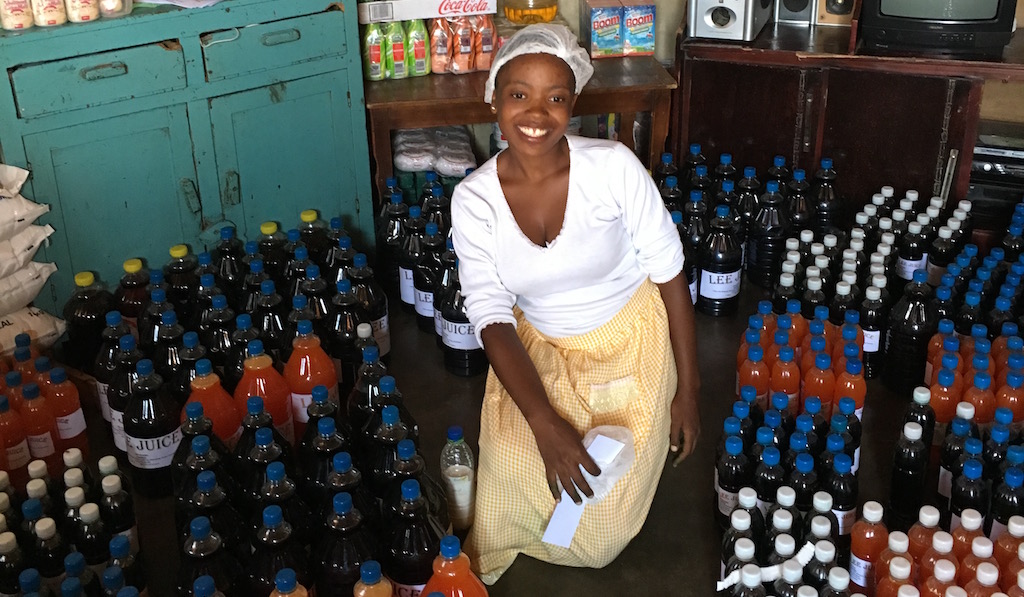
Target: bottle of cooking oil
{"points": [[528, 12]]}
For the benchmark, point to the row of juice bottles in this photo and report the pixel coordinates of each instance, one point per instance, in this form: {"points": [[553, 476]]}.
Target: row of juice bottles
{"points": [[396, 50]]}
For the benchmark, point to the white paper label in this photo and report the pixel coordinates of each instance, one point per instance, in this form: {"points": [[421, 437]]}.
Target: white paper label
{"points": [[720, 286], [998, 529], [117, 428], [935, 273], [71, 425], [693, 291], [846, 519], [460, 336], [18, 455], [459, 480], [905, 267], [400, 590], [153, 452], [860, 416], [406, 288], [945, 480], [871, 340], [438, 323], [860, 571], [727, 501], [382, 334], [299, 404], [41, 446], [424, 303], [856, 461], [101, 393]]}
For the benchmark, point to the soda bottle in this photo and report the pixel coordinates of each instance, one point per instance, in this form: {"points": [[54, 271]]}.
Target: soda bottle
{"points": [[205, 556], [215, 403], [345, 478], [382, 453], [911, 324], [346, 315], [463, 353], [40, 427], [261, 379], [413, 541], [365, 393], [738, 530], [910, 464], [85, 314], [410, 465], [371, 582], [985, 583], [971, 523], [1007, 501], [152, 432], [665, 167], [755, 373], [274, 548], [459, 476], [969, 491], [251, 284], [256, 418], [182, 280], [375, 304], [337, 261], [48, 551], [91, 540], [67, 410], [234, 366], [452, 576], [199, 458], [869, 538], [166, 353], [295, 269], [203, 302], [734, 472], [339, 553], [820, 382], [308, 367], [269, 318], [743, 553], [816, 571], [180, 386]]}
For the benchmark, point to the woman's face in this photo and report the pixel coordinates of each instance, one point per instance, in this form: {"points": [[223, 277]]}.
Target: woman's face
{"points": [[534, 100]]}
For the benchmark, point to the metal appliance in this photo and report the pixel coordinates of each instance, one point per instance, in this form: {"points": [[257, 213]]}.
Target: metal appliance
{"points": [[737, 20]]}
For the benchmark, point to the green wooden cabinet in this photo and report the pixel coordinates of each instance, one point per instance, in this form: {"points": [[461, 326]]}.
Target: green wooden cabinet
{"points": [[164, 126]]}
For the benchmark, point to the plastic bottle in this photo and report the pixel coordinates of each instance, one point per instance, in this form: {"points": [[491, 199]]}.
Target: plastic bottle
{"points": [[943, 578], [274, 548], [897, 547], [969, 491], [719, 258], [1006, 547], [152, 432], [309, 366], [910, 465], [804, 481], [40, 427], [981, 552], [338, 554], [734, 473], [911, 324], [459, 475], [824, 198], [921, 533], [317, 459], [216, 404], [452, 576], [371, 582], [768, 230], [204, 555], [374, 301], [768, 477], [280, 490], [941, 549], [269, 318], [117, 509], [785, 375], [842, 485], [166, 352], [869, 537], [1007, 501], [985, 582], [816, 571], [781, 524], [413, 541], [85, 315], [820, 382], [755, 373], [971, 523], [12, 562], [180, 384], [91, 539], [182, 280], [838, 583], [1015, 588], [48, 551], [261, 379], [234, 365], [119, 390], [980, 395], [463, 353]]}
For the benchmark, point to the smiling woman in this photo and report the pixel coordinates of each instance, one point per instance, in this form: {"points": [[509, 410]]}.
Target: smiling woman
{"points": [[570, 266]]}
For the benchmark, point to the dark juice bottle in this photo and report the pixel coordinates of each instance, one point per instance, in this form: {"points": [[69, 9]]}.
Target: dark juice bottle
{"points": [[131, 296], [842, 485], [256, 418], [124, 562], [166, 351], [274, 548], [1007, 501], [92, 538], [409, 256], [106, 358], [366, 389], [426, 277], [269, 317], [124, 377], [720, 260], [874, 321], [280, 490], [346, 478], [463, 353], [117, 509], [912, 322], [182, 281], [346, 314], [216, 336], [205, 555], [968, 491], [180, 386], [295, 271], [412, 542], [382, 452], [318, 295], [85, 314], [234, 365], [315, 461], [665, 167], [251, 284], [227, 263], [12, 562], [734, 473], [210, 500], [910, 465], [374, 301], [767, 235], [825, 198], [152, 432], [410, 465], [768, 477], [798, 200], [200, 458], [342, 549]]}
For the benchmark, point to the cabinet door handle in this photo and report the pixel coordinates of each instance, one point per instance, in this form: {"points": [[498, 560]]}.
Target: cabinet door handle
{"points": [[280, 37], [105, 71], [191, 195], [232, 193]]}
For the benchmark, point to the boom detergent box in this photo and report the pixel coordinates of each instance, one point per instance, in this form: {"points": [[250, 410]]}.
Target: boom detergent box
{"points": [[601, 27], [637, 27]]}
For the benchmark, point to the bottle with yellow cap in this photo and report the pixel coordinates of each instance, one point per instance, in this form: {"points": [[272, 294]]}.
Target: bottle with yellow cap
{"points": [[85, 314], [130, 296], [313, 232], [271, 245], [182, 281]]}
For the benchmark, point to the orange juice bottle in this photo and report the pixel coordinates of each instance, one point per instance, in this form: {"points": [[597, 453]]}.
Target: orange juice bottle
{"points": [[800, 326], [308, 367], [850, 351], [815, 328], [768, 320], [261, 379], [978, 331], [13, 382], [1000, 346], [851, 383], [750, 338], [67, 407], [941, 549], [1007, 546], [921, 533], [1016, 589], [753, 325], [985, 583], [1011, 573], [951, 361], [40, 428], [23, 363], [217, 404], [981, 397], [899, 576], [944, 401], [43, 367], [950, 346], [981, 552], [943, 578], [785, 376], [820, 382], [1014, 364], [897, 546], [831, 330], [937, 344], [452, 576], [755, 373], [868, 538], [371, 583], [16, 455], [848, 335], [969, 529], [815, 347], [771, 354], [1011, 396], [1014, 345]]}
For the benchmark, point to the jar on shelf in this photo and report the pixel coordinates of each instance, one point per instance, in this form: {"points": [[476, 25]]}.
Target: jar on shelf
{"points": [[528, 12], [15, 14], [49, 13], [82, 11], [115, 8]]}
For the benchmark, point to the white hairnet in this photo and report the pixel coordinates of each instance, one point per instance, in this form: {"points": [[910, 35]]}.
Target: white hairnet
{"points": [[556, 40]]}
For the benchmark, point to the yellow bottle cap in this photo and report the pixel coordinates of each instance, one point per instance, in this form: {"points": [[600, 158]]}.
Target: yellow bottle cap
{"points": [[179, 251], [308, 215], [83, 279], [268, 227], [132, 266]]}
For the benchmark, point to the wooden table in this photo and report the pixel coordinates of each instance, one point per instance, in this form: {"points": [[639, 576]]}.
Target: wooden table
{"points": [[622, 85]]}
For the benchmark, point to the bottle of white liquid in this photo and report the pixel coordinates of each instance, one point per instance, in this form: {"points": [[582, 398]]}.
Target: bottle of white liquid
{"points": [[459, 479]]}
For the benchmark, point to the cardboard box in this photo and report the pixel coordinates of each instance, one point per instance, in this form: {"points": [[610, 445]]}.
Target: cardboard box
{"points": [[601, 27], [407, 10], [638, 27]]}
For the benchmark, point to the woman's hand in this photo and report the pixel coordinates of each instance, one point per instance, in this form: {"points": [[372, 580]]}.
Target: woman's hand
{"points": [[563, 453], [685, 419]]}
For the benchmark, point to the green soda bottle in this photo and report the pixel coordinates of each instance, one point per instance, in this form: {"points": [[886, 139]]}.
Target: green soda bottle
{"points": [[417, 49], [394, 51], [373, 53]]}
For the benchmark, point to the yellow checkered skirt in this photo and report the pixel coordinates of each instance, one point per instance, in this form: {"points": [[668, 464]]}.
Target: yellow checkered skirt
{"points": [[622, 373]]}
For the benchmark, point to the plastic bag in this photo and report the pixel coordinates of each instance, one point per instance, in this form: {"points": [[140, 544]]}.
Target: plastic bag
{"points": [[414, 161], [11, 180], [44, 329], [20, 249], [612, 471], [17, 213], [20, 288], [451, 163]]}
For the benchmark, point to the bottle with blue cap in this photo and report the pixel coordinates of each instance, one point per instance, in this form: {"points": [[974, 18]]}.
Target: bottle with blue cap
{"points": [[347, 478], [412, 542], [912, 322], [280, 490], [234, 363], [268, 318], [798, 202], [337, 261], [767, 233], [199, 458], [152, 432], [292, 244], [318, 293], [994, 453], [665, 167], [720, 264], [382, 453], [320, 407], [364, 395], [307, 368], [695, 220], [263, 380], [842, 485], [734, 472], [227, 257], [300, 311], [700, 181], [204, 586], [255, 275], [85, 314], [286, 584], [374, 301], [458, 473], [1007, 501], [275, 547], [371, 582], [452, 575], [739, 423], [210, 411], [346, 543], [748, 189], [388, 395], [317, 457], [427, 275], [105, 363], [824, 198], [410, 465], [149, 321], [798, 444], [768, 477], [295, 271], [87, 578], [204, 555], [210, 499], [390, 235], [437, 209], [112, 580], [166, 349], [779, 172], [410, 255], [969, 491], [463, 353], [191, 351], [340, 340], [266, 449], [804, 481], [203, 301], [204, 266], [764, 438], [215, 331], [12, 562]]}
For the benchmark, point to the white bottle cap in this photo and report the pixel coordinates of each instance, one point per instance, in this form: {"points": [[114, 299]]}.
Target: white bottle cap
{"points": [[45, 528], [3, 523], [873, 293], [739, 519], [877, 269], [981, 547], [1020, 578], [857, 232], [922, 395], [744, 549], [824, 551], [806, 236], [885, 223], [748, 498], [7, 542], [945, 571], [788, 267], [793, 256], [914, 228], [36, 488], [971, 519], [829, 240], [89, 513], [899, 568], [74, 497], [945, 232], [871, 209], [960, 215], [899, 542], [36, 469], [782, 520], [954, 592], [908, 591], [935, 202], [906, 204], [1015, 526], [912, 195], [928, 516], [73, 477], [786, 496], [822, 501], [112, 484], [912, 431], [923, 219], [849, 254], [821, 261], [888, 238], [107, 465], [843, 288], [942, 542], [1020, 551], [849, 276], [814, 284], [898, 215], [860, 218], [750, 576], [838, 579], [988, 574], [821, 527], [953, 224], [876, 257], [5, 481], [5, 502], [786, 280], [965, 410], [817, 249], [785, 545], [806, 591], [965, 205], [792, 572], [884, 248], [888, 191], [72, 457], [364, 330], [872, 512], [879, 281], [792, 244], [812, 271]]}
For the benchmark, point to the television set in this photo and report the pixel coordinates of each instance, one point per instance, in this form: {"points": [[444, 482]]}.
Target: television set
{"points": [[946, 27]]}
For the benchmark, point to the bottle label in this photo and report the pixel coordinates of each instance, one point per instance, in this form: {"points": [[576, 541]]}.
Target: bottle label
{"points": [[998, 529], [846, 519], [72, 425], [300, 402], [860, 417], [153, 452], [460, 336], [945, 479], [720, 285], [424, 303], [905, 268], [382, 334], [406, 288], [459, 481], [438, 323], [935, 273], [41, 446], [856, 461], [101, 393], [727, 501], [400, 590], [693, 291], [117, 428], [861, 572], [18, 456], [871, 338]]}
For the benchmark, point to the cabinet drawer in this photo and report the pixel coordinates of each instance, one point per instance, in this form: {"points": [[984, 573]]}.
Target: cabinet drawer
{"points": [[235, 52], [97, 79]]}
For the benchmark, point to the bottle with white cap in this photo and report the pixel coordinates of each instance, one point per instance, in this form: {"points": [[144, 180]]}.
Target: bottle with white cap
{"points": [[816, 571], [1013, 584], [12, 562], [37, 469], [117, 509], [68, 521], [74, 459], [985, 582], [838, 584], [747, 500], [739, 528], [956, 592], [92, 538], [36, 489], [941, 549], [750, 582], [744, 553], [868, 539], [899, 576], [790, 580], [818, 528], [981, 553], [874, 320], [49, 551], [920, 535], [921, 412], [785, 499], [910, 464], [941, 579], [781, 524], [971, 523], [823, 506], [806, 591], [783, 549], [1006, 545], [908, 591]]}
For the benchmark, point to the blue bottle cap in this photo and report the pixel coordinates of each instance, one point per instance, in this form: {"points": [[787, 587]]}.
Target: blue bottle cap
{"points": [[851, 317], [798, 441], [32, 509], [920, 276], [793, 306], [200, 527], [804, 463], [817, 343], [799, 175], [264, 436], [370, 354], [201, 445], [299, 301], [113, 579], [256, 266], [1014, 477], [972, 469], [695, 196], [430, 176], [254, 405], [748, 394], [243, 322], [158, 295], [1008, 290], [120, 546], [415, 211], [764, 307], [272, 516], [313, 271], [847, 406], [71, 587], [206, 480], [293, 235], [842, 463], [113, 319], [359, 260], [219, 301], [29, 580], [342, 503], [817, 326], [305, 326], [325, 426], [804, 424], [203, 367], [450, 547], [1004, 416], [752, 337], [1003, 303], [835, 443], [319, 394], [144, 368], [728, 185], [839, 424], [725, 159], [780, 401], [826, 163], [701, 170], [1016, 361], [773, 419], [344, 286], [772, 186], [126, 343], [854, 366], [961, 427], [779, 161], [1015, 455], [973, 446], [722, 211], [733, 444], [58, 375], [765, 436], [731, 426], [455, 433], [946, 326], [822, 361], [342, 462], [677, 216], [982, 381], [431, 229], [190, 339], [984, 273], [387, 384], [204, 586], [781, 338], [850, 351], [30, 391], [267, 287], [740, 410], [369, 572], [666, 158], [946, 377], [396, 198], [951, 344], [973, 299], [1014, 380], [285, 580], [694, 148], [784, 323], [406, 449], [849, 333], [251, 247], [411, 487], [812, 405], [254, 348], [389, 415], [168, 317], [206, 280], [975, 285], [74, 563], [755, 354], [999, 434]]}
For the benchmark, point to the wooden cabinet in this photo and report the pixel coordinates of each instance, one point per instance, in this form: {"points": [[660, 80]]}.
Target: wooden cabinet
{"points": [[162, 127]]}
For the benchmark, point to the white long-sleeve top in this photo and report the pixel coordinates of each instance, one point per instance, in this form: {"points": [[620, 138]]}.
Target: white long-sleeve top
{"points": [[616, 233]]}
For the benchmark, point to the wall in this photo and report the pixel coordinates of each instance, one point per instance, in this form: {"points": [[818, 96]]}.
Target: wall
{"points": [[1005, 101]]}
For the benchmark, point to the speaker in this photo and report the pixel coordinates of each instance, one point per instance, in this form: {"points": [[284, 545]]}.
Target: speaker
{"points": [[837, 13], [794, 11], [738, 20]]}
